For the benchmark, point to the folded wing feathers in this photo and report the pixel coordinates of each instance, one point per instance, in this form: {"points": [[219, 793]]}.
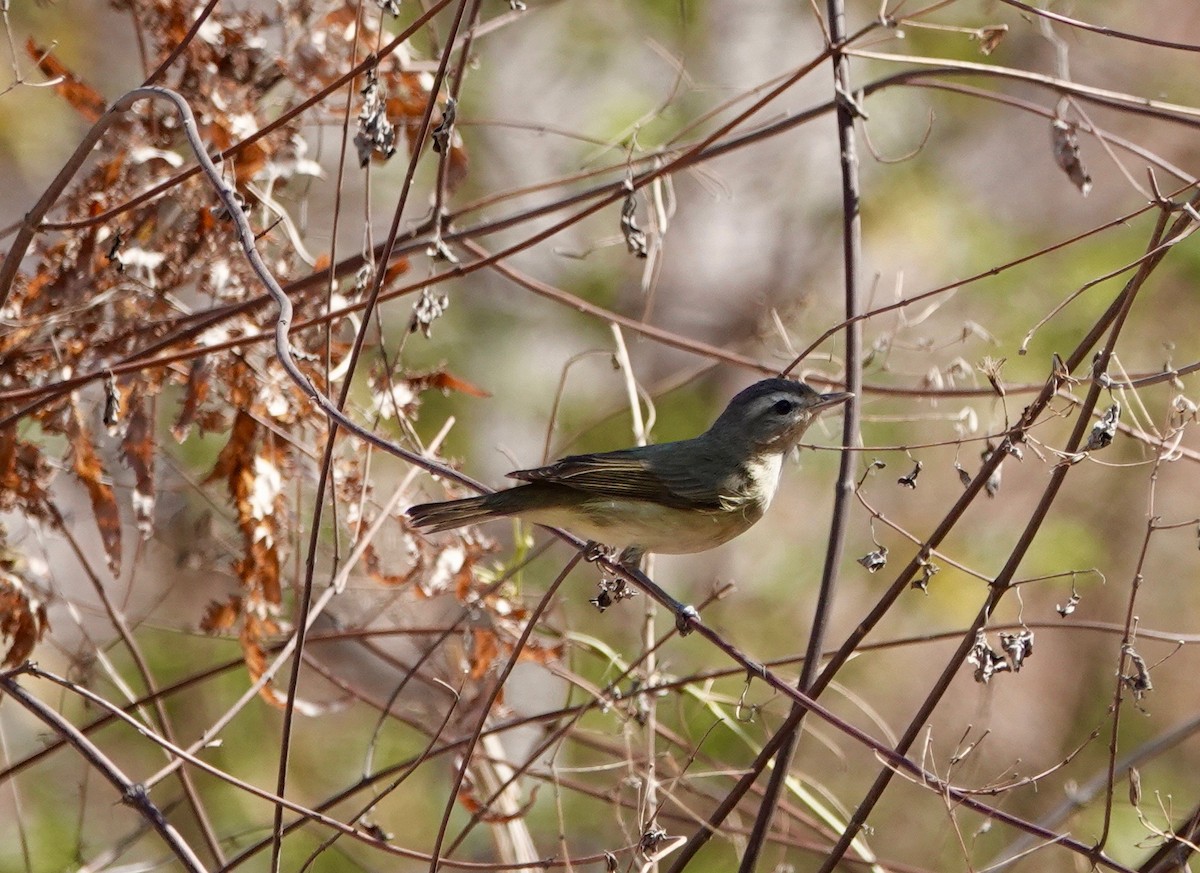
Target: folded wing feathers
{"points": [[636, 475], [450, 514]]}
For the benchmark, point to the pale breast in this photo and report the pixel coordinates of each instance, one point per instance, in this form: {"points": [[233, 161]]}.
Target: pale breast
{"points": [[671, 530], [651, 527], [755, 485]]}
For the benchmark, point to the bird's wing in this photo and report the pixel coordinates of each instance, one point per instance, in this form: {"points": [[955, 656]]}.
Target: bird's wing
{"points": [[649, 473]]}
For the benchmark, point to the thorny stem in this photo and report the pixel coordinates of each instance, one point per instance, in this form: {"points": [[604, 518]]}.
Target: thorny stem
{"points": [[322, 278], [1002, 583], [840, 516], [284, 351], [183, 755], [1118, 695], [117, 619], [181, 46], [485, 707], [998, 461], [131, 793], [853, 643]]}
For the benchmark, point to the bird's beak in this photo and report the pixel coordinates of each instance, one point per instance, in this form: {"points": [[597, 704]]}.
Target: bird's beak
{"points": [[831, 399]]}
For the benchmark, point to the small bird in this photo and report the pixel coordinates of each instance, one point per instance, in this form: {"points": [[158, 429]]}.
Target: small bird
{"points": [[673, 498]]}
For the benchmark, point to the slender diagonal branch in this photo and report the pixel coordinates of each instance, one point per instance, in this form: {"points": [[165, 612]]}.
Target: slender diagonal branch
{"points": [[131, 793], [840, 516], [1003, 581]]}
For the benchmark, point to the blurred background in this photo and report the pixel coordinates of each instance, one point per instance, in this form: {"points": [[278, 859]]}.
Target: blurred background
{"points": [[506, 367]]}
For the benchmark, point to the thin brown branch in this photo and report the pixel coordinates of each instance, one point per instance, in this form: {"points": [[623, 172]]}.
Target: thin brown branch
{"points": [[130, 792]]}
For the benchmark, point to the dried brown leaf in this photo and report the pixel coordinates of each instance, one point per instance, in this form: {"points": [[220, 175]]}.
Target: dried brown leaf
{"points": [[487, 646], [464, 579], [990, 37], [407, 98], [13, 338], [468, 797], [251, 158], [484, 650], [457, 167], [258, 568], [79, 95], [251, 637], [8, 465], [137, 448], [1065, 143], [23, 619], [254, 482], [238, 451], [446, 381], [375, 569], [109, 172], [24, 475], [32, 289], [395, 270], [342, 18], [221, 616], [542, 654], [85, 463], [196, 393]]}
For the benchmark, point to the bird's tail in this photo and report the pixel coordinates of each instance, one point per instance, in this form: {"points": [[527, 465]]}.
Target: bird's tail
{"points": [[449, 514]]}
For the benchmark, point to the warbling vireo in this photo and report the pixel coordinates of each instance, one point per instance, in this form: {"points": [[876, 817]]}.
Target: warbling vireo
{"points": [[673, 498]]}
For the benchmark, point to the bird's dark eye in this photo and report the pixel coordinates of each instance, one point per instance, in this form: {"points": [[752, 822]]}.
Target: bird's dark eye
{"points": [[783, 407]]}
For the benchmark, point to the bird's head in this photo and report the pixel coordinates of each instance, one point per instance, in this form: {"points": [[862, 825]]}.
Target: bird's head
{"points": [[772, 415]]}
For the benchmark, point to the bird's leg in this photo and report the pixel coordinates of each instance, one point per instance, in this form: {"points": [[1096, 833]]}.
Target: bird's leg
{"points": [[615, 590], [594, 551], [631, 558]]}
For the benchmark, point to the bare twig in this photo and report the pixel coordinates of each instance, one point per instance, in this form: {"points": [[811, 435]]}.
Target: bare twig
{"points": [[130, 792]]}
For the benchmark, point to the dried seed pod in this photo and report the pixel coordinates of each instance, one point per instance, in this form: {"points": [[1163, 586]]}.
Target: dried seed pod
{"points": [[1066, 154], [1104, 430]]}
